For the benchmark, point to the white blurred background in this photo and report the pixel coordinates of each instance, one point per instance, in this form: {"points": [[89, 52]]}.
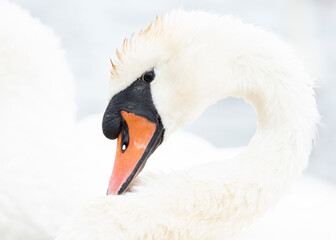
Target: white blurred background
{"points": [[91, 30]]}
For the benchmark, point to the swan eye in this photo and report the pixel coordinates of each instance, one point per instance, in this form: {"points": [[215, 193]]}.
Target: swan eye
{"points": [[148, 76]]}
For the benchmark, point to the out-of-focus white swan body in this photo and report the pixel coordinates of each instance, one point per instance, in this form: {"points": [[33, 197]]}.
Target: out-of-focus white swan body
{"points": [[41, 157]]}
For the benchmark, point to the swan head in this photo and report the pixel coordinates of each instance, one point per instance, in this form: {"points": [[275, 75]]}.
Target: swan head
{"points": [[160, 80]]}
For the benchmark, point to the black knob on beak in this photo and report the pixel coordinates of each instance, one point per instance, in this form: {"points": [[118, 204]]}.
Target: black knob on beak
{"points": [[112, 123]]}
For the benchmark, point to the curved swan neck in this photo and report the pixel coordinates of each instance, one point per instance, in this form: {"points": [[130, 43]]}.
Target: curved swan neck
{"points": [[249, 63], [227, 58], [275, 82]]}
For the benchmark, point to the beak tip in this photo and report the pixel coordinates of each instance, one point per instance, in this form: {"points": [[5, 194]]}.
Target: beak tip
{"points": [[112, 189]]}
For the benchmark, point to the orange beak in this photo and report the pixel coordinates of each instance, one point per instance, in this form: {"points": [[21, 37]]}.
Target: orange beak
{"points": [[136, 141]]}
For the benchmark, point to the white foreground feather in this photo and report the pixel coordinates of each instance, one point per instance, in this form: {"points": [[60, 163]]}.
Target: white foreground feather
{"points": [[51, 165]]}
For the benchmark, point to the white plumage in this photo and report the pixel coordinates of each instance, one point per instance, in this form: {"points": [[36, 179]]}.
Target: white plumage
{"points": [[44, 156], [51, 165], [200, 58]]}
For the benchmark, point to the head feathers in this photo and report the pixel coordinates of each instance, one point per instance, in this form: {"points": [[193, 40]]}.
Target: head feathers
{"points": [[152, 30]]}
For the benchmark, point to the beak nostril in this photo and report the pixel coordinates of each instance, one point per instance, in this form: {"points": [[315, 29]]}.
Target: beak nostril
{"points": [[124, 137], [123, 147]]}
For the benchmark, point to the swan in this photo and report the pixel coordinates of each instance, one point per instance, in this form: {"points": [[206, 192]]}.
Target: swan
{"points": [[51, 164], [163, 79]]}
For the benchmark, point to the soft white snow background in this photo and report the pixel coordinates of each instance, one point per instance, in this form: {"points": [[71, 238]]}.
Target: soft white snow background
{"points": [[91, 30]]}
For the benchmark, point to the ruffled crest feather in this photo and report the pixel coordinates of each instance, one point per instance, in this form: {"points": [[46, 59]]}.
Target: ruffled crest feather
{"points": [[152, 30]]}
